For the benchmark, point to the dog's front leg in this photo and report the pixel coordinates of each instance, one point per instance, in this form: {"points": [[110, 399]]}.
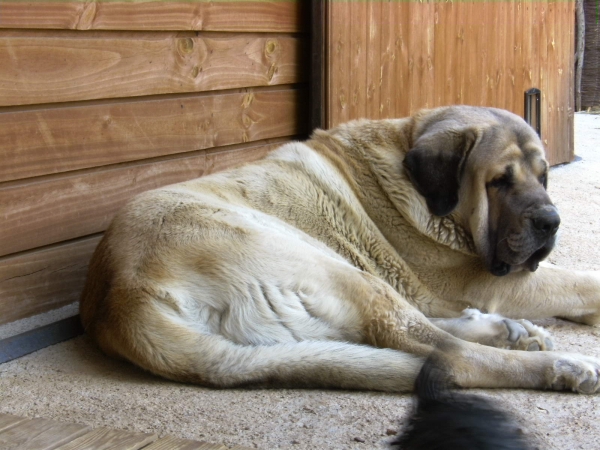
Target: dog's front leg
{"points": [[495, 330], [548, 292], [390, 321]]}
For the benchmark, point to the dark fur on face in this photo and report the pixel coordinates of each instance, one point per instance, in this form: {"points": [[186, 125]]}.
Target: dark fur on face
{"points": [[487, 168], [447, 420]]}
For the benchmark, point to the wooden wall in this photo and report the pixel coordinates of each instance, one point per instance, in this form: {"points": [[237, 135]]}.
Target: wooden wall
{"points": [[391, 58], [590, 76], [103, 100]]}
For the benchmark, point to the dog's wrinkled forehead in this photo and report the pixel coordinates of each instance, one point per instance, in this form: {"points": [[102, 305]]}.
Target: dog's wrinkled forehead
{"points": [[459, 117], [497, 129]]}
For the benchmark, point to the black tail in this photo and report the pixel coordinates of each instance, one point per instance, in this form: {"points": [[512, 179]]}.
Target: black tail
{"points": [[445, 419]]}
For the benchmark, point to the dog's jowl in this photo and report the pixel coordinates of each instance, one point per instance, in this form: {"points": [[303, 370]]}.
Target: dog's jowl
{"points": [[343, 261]]}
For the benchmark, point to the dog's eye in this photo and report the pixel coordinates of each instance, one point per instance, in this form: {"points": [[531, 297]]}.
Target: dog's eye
{"points": [[503, 181], [544, 180]]}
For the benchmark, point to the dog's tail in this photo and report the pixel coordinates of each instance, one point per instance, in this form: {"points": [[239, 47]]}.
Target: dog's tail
{"points": [[171, 347], [444, 419]]}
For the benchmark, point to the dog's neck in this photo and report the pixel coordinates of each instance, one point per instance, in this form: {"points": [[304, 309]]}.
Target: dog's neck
{"points": [[370, 155]]}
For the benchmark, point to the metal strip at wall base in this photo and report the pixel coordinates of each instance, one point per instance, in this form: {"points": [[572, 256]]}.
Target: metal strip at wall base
{"points": [[31, 341]]}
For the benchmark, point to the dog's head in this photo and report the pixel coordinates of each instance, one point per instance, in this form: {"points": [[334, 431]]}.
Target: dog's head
{"points": [[486, 167]]}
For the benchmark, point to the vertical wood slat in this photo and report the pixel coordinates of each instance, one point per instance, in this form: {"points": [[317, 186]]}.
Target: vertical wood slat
{"points": [[339, 64], [480, 53], [569, 76], [387, 69], [590, 72], [358, 76], [373, 56]]}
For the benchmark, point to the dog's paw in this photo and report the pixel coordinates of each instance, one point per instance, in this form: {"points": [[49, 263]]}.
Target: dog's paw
{"points": [[497, 331], [578, 373], [528, 336]]}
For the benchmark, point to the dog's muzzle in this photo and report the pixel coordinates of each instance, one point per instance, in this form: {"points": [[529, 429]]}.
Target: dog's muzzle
{"points": [[526, 250]]}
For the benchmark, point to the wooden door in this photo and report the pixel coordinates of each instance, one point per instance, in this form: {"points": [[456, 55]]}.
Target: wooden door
{"points": [[390, 58]]}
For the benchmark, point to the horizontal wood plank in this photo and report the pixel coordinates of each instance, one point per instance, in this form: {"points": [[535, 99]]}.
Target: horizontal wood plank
{"points": [[62, 208], [106, 439], [7, 421], [218, 160], [42, 280], [102, 438], [174, 443], [263, 16], [54, 140], [48, 67], [40, 434]]}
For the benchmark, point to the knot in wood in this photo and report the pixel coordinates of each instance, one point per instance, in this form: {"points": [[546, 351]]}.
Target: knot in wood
{"points": [[270, 47], [185, 45]]}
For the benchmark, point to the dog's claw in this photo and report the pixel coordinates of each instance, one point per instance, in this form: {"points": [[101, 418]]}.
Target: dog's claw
{"points": [[533, 347]]}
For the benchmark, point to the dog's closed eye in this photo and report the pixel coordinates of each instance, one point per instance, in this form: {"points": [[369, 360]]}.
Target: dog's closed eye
{"points": [[504, 180]]}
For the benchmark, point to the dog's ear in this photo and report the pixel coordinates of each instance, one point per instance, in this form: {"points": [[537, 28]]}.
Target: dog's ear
{"points": [[435, 165]]}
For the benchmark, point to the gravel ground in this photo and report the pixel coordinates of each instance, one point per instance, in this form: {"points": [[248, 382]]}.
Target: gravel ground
{"points": [[73, 382]]}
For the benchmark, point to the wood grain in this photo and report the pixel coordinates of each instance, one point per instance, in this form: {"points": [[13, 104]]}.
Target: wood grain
{"points": [[40, 434], [263, 16], [79, 437], [428, 54], [41, 280], [7, 421], [337, 83], [105, 439], [58, 209], [50, 66], [589, 35], [173, 443], [218, 159], [53, 140]]}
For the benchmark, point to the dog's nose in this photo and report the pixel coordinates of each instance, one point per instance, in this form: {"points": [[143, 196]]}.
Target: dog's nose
{"points": [[546, 220]]}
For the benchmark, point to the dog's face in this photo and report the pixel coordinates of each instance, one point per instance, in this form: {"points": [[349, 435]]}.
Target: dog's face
{"points": [[486, 167]]}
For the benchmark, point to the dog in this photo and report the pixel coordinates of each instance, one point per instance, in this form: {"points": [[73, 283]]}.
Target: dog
{"points": [[343, 261], [447, 420]]}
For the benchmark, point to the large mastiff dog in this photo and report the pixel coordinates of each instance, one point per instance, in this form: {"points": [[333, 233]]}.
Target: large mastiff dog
{"points": [[344, 261]]}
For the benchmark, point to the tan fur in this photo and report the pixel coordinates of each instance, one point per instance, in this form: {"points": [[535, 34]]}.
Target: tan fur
{"points": [[321, 264]]}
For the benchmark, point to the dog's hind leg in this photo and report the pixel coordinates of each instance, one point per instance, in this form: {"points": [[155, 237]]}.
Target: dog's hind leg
{"points": [[152, 332], [175, 350]]}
